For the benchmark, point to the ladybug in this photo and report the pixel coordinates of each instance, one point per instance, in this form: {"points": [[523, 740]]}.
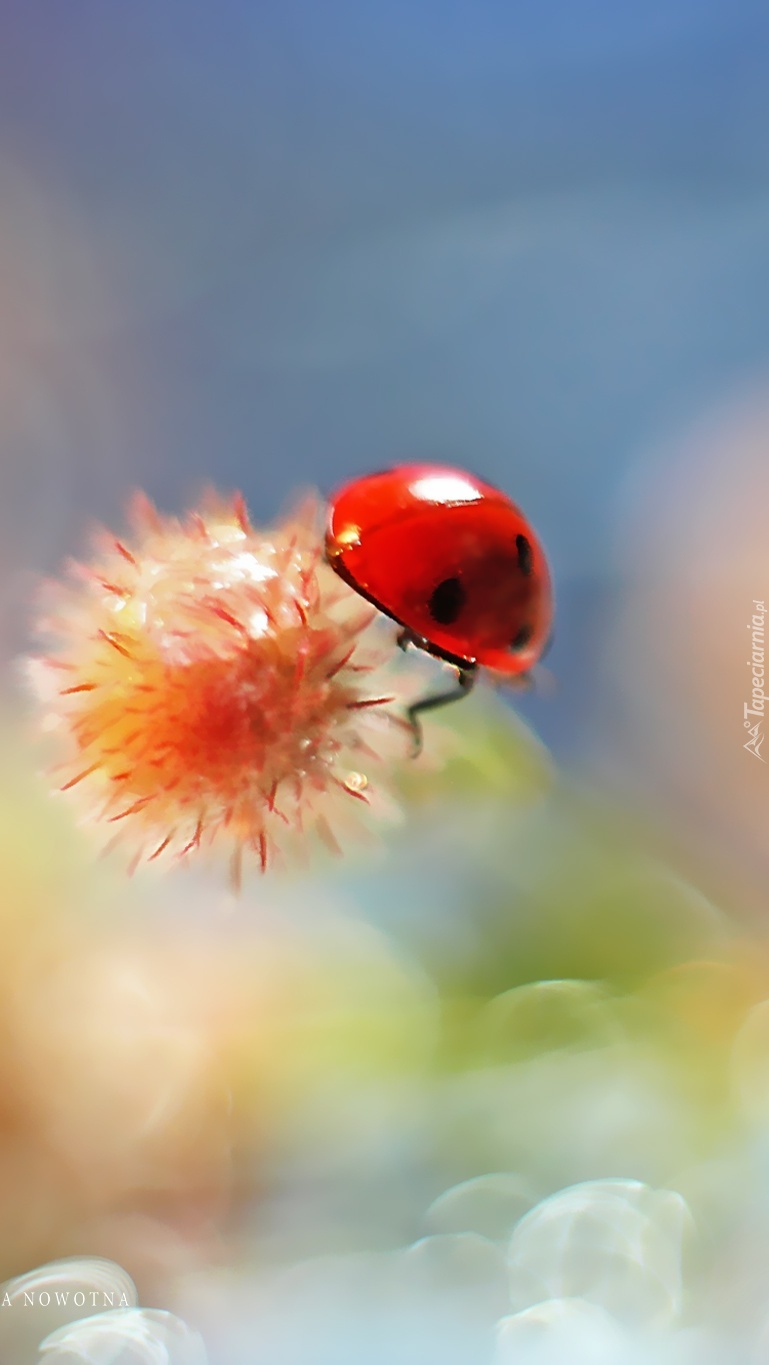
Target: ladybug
{"points": [[454, 562]]}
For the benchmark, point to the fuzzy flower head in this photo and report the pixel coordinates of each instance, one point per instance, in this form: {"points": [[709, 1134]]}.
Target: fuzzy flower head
{"points": [[210, 683]]}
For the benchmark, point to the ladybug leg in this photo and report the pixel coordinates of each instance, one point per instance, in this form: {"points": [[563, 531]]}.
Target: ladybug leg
{"points": [[405, 638], [465, 682]]}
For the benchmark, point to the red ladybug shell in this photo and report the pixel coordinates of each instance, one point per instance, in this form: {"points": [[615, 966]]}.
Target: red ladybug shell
{"points": [[450, 558]]}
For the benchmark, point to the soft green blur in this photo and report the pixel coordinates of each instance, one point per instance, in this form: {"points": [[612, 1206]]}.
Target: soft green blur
{"points": [[182, 1067]]}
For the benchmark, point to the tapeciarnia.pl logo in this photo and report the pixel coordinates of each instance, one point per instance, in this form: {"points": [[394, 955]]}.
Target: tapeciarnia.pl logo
{"points": [[757, 704]]}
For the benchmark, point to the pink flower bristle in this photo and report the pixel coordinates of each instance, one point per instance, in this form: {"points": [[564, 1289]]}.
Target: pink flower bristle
{"points": [[79, 777], [110, 639], [358, 795], [126, 553], [196, 707], [241, 512], [210, 604], [327, 835], [161, 848], [59, 665], [132, 810], [340, 664], [195, 840], [143, 514]]}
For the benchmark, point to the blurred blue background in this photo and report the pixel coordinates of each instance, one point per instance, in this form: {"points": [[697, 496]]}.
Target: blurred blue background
{"points": [[278, 244], [274, 244]]}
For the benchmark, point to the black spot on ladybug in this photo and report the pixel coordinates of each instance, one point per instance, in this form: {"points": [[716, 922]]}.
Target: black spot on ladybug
{"points": [[525, 558], [447, 601], [522, 638]]}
